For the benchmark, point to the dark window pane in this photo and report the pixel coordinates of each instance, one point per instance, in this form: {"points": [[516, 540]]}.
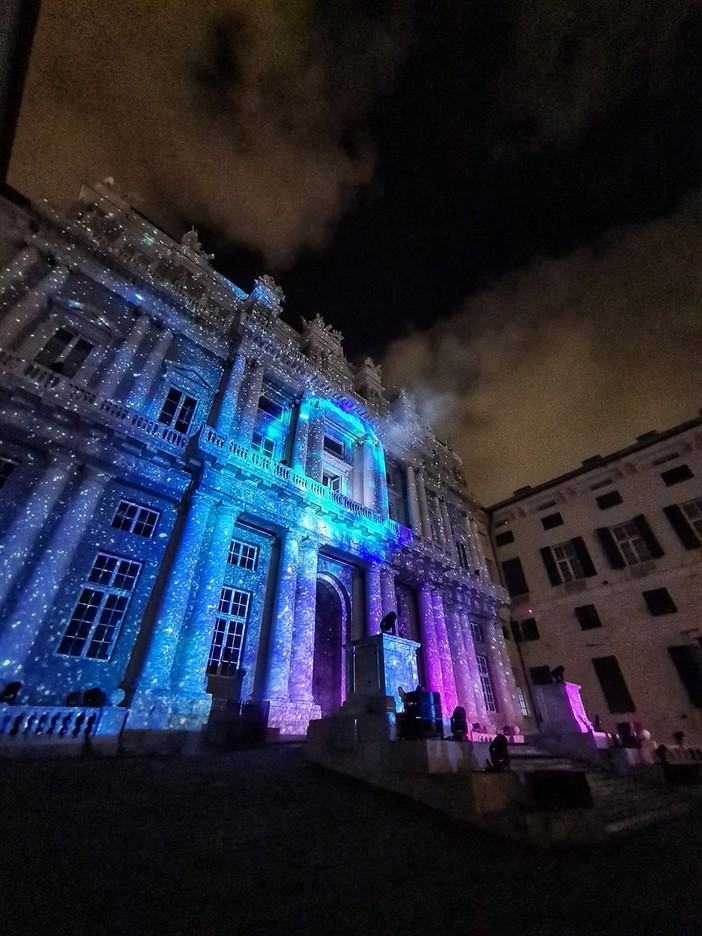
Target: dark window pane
{"points": [[583, 557], [554, 576], [659, 602], [688, 662], [646, 533], [552, 520], [540, 675], [529, 629], [514, 577], [676, 475], [616, 560], [682, 527], [502, 539], [613, 685], [610, 499], [588, 617]]}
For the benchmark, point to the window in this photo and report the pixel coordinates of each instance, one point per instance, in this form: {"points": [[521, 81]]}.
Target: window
{"points": [[552, 520], [503, 539], [263, 445], [135, 518], [610, 499], [101, 608], [659, 602], [476, 630], [486, 683], [514, 577], [686, 520], [688, 662], [7, 466], [266, 405], [629, 543], [64, 353], [540, 675], [331, 481], [568, 562], [525, 630], [242, 554], [613, 685], [588, 617], [335, 447], [228, 636], [178, 410], [521, 699], [462, 555], [676, 475]]}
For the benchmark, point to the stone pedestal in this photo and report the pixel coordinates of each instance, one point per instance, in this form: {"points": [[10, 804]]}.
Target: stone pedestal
{"points": [[378, 665], [561, 709]]}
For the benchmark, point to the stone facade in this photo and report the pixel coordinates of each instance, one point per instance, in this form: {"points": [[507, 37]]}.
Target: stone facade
{"points": [[604, 566], [198, 500]]}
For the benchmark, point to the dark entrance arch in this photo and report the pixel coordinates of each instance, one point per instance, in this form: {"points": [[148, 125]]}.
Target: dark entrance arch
{"points": [[328, 631]]}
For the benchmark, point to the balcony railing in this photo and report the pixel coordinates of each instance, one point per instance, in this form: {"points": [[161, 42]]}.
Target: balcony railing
{"points": [[122, 419], [29, 730]]}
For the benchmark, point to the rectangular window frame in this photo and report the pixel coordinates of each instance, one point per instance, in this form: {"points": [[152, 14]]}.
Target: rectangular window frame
{"points": [[486, 683], [99, 613], [243, 555], [178, 410], [133, 517], [229, 632]]}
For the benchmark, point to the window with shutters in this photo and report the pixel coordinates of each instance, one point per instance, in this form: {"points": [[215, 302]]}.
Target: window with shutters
{"points": [[659, 602], [568, 562], [613, 685], [686, 520], [687, 659], [631, 543], [514, 577], [693, 513]]}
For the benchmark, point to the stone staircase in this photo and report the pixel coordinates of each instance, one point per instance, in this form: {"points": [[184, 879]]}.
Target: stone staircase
{"points": [[622, 804]]}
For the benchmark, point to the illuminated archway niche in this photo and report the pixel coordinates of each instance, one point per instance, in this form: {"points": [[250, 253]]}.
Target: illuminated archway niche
{"points": [[331, 615]]}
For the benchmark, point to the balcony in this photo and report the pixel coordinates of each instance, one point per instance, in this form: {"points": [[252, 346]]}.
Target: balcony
{"points": [[56, 389]]}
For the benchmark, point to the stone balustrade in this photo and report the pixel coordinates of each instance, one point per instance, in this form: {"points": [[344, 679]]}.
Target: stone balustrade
{"points": [[30, 730], [121, 418]]}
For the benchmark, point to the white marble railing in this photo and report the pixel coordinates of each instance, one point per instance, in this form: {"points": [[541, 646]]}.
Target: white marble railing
{"points": [[33, 726], [120, 418], [212, 442]]}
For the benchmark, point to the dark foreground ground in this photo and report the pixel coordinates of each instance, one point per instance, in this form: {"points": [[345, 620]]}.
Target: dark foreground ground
{"points": [[261, 842]]}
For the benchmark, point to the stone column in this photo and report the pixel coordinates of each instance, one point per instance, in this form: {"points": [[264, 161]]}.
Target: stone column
{"points": [[381, 482], [154, 682], [302, 659], [504, 679], [374, 601], [17, 268], [253, 384], [196, 636], [461, 671], [368, 475], [477, 710], [413, 500], [18, 319], [446, 524], [430, 649], [277, 679], [230, 397], [112, 376], [37, 598], [387, 590], [302, 434], [143, 384], [423, 506], [19, 538], [315, 444], [447, 676]]}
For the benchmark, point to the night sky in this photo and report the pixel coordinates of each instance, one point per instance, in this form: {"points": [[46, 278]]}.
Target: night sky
{"points": [[501, 200]]}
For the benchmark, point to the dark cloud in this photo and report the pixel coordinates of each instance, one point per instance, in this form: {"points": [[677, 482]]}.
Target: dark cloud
{"points": [[558, 361], [249, 117]]}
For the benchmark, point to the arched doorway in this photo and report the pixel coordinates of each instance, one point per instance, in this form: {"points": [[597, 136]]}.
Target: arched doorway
{"points": [[330, 615]]}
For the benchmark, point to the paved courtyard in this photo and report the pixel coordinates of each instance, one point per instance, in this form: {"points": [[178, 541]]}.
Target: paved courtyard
{"points": [[260, 842]]}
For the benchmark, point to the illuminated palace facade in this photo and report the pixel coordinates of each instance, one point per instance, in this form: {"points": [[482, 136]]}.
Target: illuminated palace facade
{"points": [[196, 500]]}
